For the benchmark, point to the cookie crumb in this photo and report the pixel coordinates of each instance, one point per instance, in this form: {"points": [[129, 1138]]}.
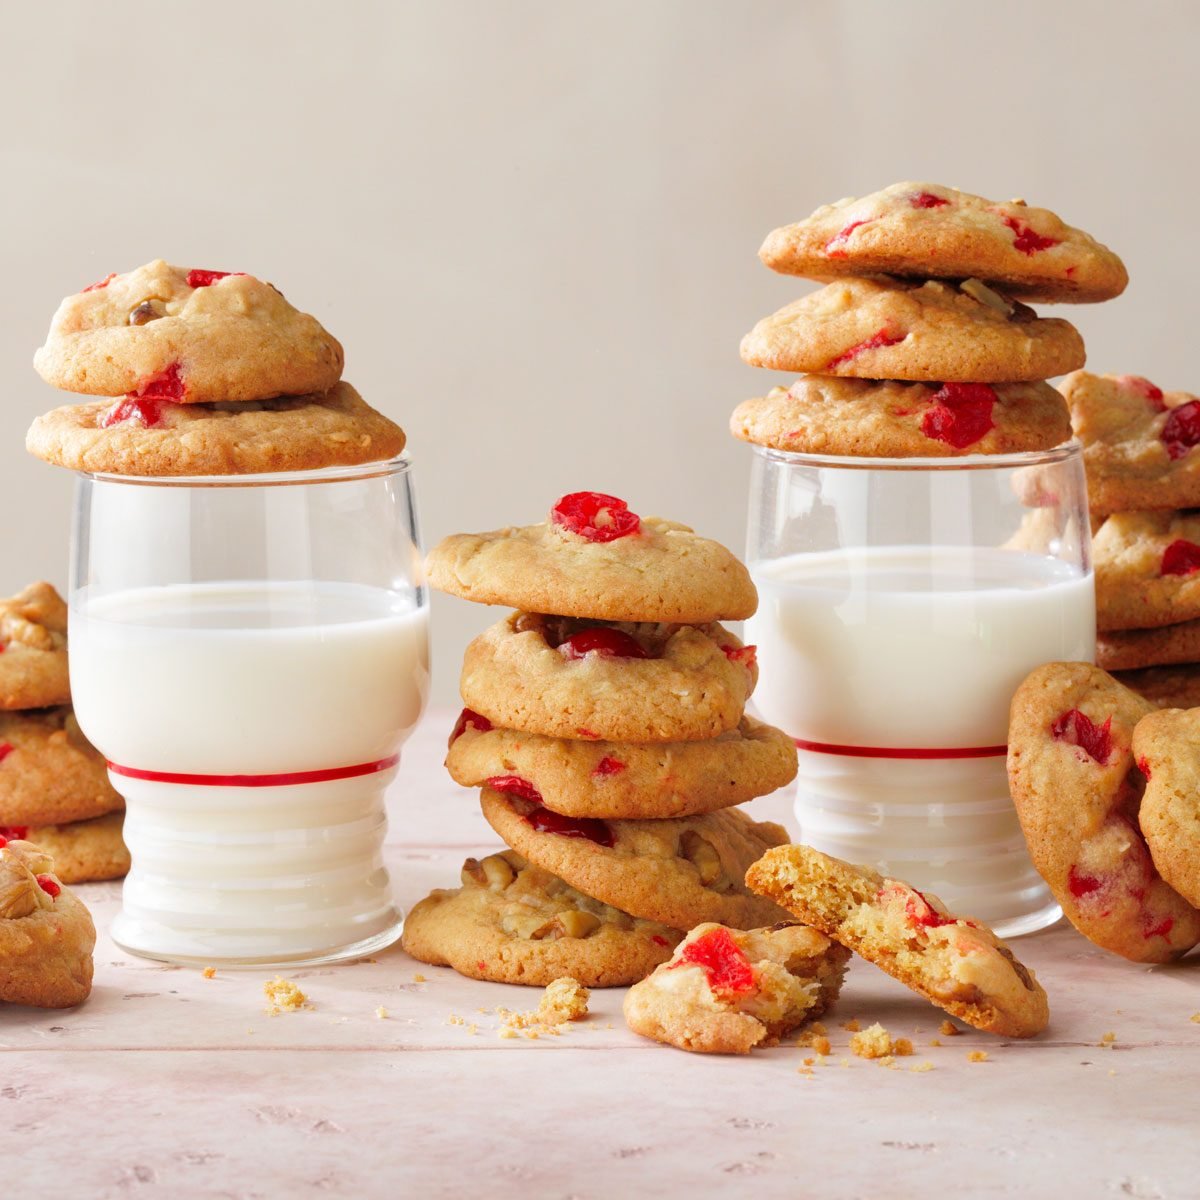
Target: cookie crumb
{"points": [[948, 1028], [455, 1019], [921, 1067], [977, 1056], [566, 999], [1107, 1040], [283, 996], [902, 1047], [381, 1013], [935, 1041], [209, 972], [852, 1025], [506, 1032], [1111, 1071], [420, 979], [1195, 1018], [874, 1042]]}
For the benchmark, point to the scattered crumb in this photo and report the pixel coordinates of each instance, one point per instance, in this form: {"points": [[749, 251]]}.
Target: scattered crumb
{"points": [[843, 1062], [564, 1000], [817, 1027], [283, 996], [420, 979], [875, 1042], [1108, 1040], [902, 1047], [209, 972], [822, 1046], [1111, 1072], [381, 1013], [813, 1038], [506, 1032], [1195, 1017], [852, 1025], [808, 1062], [948, 1028], [935, 1041], [977, 1056], [455, 1019], [922, 1066]]}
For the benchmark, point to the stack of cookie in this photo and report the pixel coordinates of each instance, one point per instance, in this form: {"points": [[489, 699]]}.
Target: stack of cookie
{"points": [[1143, 476], [605, 726], [54, 787], [920, 345]]}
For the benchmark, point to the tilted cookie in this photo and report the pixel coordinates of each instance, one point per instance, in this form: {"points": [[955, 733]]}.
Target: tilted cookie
{"points": [[33, 649], [83, 851], [512, 922], [623, 779], [159, 437], [46, 934], [1147, 569], [1077, 789], [1168, 687], [930, 231], [820, 414], [958, 964], [49, 772], [726, 991], [168, 333], [678, 872], [891, 329], [594, 558], [1166, 747], [618, 682], [1138, 442], [1133, 649]]}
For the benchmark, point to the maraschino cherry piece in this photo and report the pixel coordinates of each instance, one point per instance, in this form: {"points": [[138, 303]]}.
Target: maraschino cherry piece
{"points": [[5, 750], [514, 785], [469, 719], [1024, 238], [960, 414], [1080, 884], [608, 766], [198, 278], [49, 885], [145, 410], [595, 516], [835, 246], [594, 830], [875, 342], [1144, 388], [99, 284], [1181, 557], [1182, 429], [14, 833], [724, 962], [746, 655], [166, 385], [1078, 729], [927, 200], [603, 641], [1162, 929]]}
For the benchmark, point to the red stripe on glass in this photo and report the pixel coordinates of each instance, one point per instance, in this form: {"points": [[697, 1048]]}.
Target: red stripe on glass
{"points": [[285, 779], [903, 751]]}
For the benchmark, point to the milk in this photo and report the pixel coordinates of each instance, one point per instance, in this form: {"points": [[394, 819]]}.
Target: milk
{"points": [[220, 680], [917, 649]]}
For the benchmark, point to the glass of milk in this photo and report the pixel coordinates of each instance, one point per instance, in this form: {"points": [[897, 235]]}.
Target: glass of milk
{"points": [[249, 653], [901, 602]]}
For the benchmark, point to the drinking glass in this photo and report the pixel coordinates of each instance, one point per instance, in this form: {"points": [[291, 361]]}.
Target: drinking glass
{"points": [[901, 603], [249, 653]]}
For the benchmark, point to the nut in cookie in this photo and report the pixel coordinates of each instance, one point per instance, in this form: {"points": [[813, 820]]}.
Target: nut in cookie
{"points": [[33, 649]]}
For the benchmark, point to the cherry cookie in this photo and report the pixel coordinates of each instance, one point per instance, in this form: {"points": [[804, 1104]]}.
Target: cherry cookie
{"points": [[930, 231], [186, 336], [512, 922], [728, 991], [33, 649], [888, 419], [593, 558], [83, 851], [1134, 649], [1077, 792], [570, 678], [1138, 442], [958, 964], [677, 872], [46, 935], [1166, 747], [625, 780], [1147, 569], [1168, 687], [892, 329]]}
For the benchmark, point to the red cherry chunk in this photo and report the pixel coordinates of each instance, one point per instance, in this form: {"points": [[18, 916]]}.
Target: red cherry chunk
{"points": [[100, 283], [835, 246], [166, 385], [608, 766], [197, 278], [875, 342], [1162, 929], [1182, 429], [1024, 238], [723, 961], [659, 940], [469, 719], [1078, 729], [594, 830], [746, 655], [918, 912], [14, 833], [1181, 557], [607, 643], [595, 516], [1144, 388], [1080, 884], [49, 885], [927, 200], [5, 750], [960, 414], [144, 410], [514, 785]]}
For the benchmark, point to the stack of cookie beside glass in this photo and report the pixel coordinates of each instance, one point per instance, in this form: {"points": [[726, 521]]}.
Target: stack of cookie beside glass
{"points": [[54, 788], [605, 726]]}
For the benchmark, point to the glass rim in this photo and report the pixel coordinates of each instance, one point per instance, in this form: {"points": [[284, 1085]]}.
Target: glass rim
{"points": [[401, 464], [964, 462]]}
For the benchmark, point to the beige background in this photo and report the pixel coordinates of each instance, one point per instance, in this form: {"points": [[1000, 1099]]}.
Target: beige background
{"points": [[533, 224]]}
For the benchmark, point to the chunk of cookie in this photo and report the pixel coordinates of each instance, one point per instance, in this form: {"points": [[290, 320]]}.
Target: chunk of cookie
{"points": [[930, 231], [159, 437], [50, 773], [595, 559], [1168, 687], [1133, 649], [958, 964], [1077, 792], [889, 329], [625, 780], [83, 851], [887, 419], [1166, 747], [46, 934], [1147, 569], [619, 682], [728, 991], [512, 922], [1138, 442], [187, 336], [678, 872], [33, 649]]}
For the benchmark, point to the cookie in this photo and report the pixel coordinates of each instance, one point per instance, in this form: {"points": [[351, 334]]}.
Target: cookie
{"points": [[46, 934], [958, 964], [33, 649], [511, 922], [1147, 569], [1132, 649], [624, 780], [1168, 687], [891, 329], [820, 414], [1077, 791], [678, 872], [159, 438], [188, 336], [619, 682], [1166, 748], [83, 851], [929, 231], [1138, 442], [50, 774], [726, 991], [593, 558]]}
